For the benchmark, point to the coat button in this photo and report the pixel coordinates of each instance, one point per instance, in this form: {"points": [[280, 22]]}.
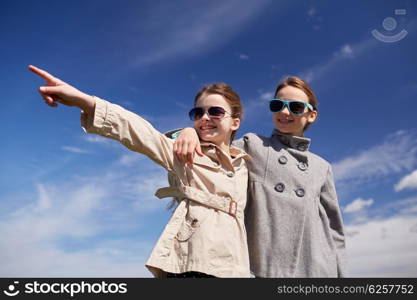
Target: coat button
{"points": [[302, 147], [230, 174], [282, 160], [194, 222], [280, 187], [300, 192], [302, 166]]}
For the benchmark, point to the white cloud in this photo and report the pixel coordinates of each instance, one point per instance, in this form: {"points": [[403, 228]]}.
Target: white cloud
{"points": [[383, 248], [193, 28], [312, 11], [57, 212], [407, 182], [405, 202], [141, 189], [44, 201], [252, 110], [314, 18], [403, 207], [130, 158], [243, 57], [357, 205], [371, 241], [24, 259], [267, 96], [74, 150], [347, 51], [93, 138], [127, 104], [395, 155], [84, 226], [409, 210]]}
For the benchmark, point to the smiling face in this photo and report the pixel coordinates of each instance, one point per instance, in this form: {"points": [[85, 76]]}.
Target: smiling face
{"points": [[216, 131], [287, 122]]}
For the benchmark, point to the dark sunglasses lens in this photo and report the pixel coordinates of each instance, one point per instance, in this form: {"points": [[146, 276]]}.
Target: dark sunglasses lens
{"points": [[216, 111], [297, 107], [275, 105], [196, 113]]}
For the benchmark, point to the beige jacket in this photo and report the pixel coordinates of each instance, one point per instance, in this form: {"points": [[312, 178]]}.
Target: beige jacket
{"points": [[206, 233]]}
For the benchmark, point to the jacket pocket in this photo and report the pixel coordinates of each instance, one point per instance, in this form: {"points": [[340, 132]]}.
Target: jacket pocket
{"points": [[195, 217], [187, 229]]}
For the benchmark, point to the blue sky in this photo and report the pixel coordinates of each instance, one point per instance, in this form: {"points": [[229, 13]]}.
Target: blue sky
{"points": [[73, 204]]}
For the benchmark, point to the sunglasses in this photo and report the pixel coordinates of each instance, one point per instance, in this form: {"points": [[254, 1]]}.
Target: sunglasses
{"points": [[214, 112], [294, 107]]}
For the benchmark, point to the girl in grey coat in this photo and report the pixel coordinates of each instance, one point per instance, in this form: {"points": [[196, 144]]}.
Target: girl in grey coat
{"points": [[293, 219]]}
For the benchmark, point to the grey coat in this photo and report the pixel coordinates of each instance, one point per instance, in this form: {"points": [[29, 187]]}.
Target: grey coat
{"points": [[293, 219]]}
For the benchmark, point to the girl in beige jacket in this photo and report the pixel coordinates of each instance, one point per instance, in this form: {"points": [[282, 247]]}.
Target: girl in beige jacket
{"points": [[206, 235]]}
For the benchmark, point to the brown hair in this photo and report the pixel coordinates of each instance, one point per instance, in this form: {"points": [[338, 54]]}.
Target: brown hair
{"points": [[302, 85], [229, 95]]}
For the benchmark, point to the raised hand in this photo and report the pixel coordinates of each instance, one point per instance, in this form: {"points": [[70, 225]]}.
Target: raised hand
{"points": [[186, 145], [57, 90]]}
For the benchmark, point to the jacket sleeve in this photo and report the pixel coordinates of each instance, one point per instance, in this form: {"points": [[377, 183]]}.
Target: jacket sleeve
{"points": [[113, 121], [328, 199]]}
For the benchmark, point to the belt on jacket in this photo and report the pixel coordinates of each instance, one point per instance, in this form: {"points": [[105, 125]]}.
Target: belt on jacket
{"points": [[224, 204]]}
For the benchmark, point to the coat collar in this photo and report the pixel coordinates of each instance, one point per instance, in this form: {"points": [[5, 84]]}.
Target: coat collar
{"points": [[295, 142], [211, 150]]}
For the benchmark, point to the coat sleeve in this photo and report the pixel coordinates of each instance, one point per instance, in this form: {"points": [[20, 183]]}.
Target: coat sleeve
{"points": [[328, 199], [113, 121]]}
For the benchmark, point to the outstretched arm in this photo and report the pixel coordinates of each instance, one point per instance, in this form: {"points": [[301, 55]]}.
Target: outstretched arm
{"points": [[109, 120], [57, 91]]}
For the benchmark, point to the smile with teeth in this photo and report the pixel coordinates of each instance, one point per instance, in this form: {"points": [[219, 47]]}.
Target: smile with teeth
{"points": [[207, 127], [282, 121]]}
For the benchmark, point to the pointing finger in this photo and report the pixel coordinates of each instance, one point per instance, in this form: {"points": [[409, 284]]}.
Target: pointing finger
{"points": [[45, 75]]}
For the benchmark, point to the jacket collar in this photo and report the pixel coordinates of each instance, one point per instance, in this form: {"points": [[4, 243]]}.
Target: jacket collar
{"points": [[295, 142], [211, 150]]}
